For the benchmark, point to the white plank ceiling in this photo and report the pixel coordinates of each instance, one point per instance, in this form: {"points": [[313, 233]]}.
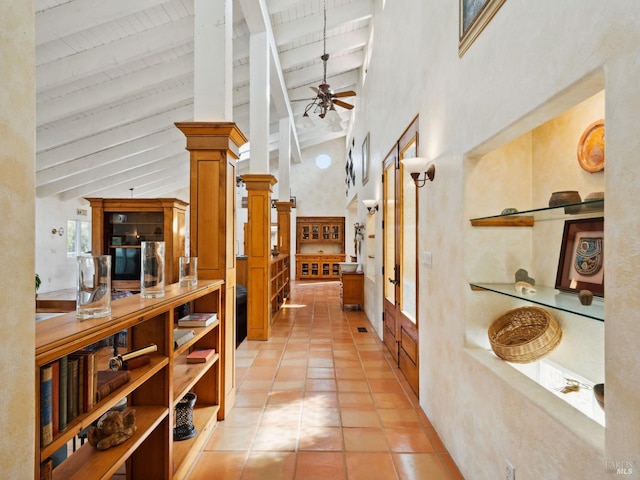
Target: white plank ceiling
{"points": [[114, 75]]}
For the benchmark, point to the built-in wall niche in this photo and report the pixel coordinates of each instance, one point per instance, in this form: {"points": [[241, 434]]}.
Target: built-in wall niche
{"points": [[522, 174]]}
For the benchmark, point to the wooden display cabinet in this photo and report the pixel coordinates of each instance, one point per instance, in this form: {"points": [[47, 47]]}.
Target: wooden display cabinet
{"points": [[153, 390], [120, 225], [318, 266], [320, 247]]}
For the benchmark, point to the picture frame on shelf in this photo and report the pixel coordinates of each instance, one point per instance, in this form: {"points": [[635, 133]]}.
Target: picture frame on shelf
{"points": [[365, 160], [473, 17], [581, 262]]}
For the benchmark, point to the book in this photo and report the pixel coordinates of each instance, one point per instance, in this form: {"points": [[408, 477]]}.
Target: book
{"points": [[136, 362], [46, 469], [79, 392], [72, 389], [201, 356], [62, 394], [86, 379], [46, 405], [198, 320], [180, 337], [109, 381], [55, 397]]}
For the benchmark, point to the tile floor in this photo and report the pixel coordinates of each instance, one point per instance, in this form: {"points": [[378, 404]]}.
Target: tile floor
{"points": [[321, 400]]}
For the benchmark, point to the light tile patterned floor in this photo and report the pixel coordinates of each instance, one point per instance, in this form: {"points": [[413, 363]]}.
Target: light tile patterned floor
{"points": [[321, 400]]}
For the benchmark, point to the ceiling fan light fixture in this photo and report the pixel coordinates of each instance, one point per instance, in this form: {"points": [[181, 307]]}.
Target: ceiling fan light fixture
{"points": [[323, 104], [332, 115], [306, 121]]}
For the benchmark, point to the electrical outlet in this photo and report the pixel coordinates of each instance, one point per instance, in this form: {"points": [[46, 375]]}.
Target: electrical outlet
{"points": [[510, 471]]}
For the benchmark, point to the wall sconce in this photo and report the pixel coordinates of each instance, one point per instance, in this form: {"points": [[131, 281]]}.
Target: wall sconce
{"points": [[415, 166], [59, 231], [372, 206]]}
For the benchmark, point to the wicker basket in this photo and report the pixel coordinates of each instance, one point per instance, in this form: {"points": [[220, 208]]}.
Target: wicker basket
{"points": [[524, 334]]}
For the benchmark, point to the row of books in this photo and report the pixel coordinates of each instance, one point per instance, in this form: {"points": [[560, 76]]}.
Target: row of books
{"points": [[71, 386]]}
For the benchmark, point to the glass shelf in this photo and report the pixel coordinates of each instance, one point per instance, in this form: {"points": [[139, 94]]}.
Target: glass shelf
{"points": [[549, 297], [585, 209]]}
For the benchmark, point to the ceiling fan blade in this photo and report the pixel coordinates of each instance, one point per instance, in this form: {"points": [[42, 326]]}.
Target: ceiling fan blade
{"points": [[314, 89], [348, 93], [342, 104]]}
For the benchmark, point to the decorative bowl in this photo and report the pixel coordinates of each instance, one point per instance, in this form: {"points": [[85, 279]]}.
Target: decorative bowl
{"points": [[598, 392], [348, 267], [593, 197], [566, 197]]}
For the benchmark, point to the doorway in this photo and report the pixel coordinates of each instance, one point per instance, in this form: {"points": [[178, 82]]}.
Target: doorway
{"points": [[400, 259]]}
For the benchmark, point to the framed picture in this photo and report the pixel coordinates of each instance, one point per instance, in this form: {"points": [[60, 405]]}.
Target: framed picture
{"points": [[581, 264], [474, 16], [365, 160]]}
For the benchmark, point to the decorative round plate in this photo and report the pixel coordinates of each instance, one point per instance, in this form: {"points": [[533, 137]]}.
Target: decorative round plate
{"points": [[591, 148]]}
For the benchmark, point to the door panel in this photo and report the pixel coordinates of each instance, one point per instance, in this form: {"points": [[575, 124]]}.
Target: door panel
{"points": [[408, 344], [390, 330], [408, 248]]}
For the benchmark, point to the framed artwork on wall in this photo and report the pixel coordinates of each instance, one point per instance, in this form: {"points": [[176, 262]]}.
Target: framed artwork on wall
{"points": [[365, 160], [581, 263], [474, 16]]}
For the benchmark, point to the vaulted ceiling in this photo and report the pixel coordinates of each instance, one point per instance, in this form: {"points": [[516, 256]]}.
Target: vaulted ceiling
{"points": [[114, 75]]}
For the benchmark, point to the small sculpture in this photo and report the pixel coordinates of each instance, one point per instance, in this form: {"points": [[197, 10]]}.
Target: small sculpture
{"points": [[112, 429], [523, 276], [524, 287], [586, 297]]}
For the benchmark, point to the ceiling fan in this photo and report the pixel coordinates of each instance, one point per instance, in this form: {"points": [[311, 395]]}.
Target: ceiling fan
{"points": [[326, 99]]}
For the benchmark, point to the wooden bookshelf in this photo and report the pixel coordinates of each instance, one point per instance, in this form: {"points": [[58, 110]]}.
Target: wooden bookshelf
{"points": [[279, 283], [153, 390]]}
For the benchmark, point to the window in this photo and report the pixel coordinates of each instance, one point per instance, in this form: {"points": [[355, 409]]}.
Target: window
{"points": [[78, 237]]}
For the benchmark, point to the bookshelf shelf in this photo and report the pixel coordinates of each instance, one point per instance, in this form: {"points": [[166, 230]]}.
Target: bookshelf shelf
{"points": [[153, 389], [87, 461]]}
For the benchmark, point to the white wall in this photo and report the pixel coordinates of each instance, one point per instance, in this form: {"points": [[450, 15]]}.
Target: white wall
{"points": [[17, 260], [320, 192], [57, 271], [532, 62]]}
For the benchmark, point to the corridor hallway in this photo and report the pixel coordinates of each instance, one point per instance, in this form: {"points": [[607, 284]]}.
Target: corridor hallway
{"points": [[322, 400]]}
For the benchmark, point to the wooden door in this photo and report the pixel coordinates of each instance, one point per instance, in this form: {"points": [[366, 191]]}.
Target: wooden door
{"points": [[391, 272], [408, 251], [400, 230]]}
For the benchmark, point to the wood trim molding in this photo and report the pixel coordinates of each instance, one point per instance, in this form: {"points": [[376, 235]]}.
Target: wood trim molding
{"points": [[213, 136]]}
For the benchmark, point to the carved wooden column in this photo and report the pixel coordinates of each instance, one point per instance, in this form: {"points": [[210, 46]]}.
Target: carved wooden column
{"points": [[214, 151], [284, 226], [259, 254]]}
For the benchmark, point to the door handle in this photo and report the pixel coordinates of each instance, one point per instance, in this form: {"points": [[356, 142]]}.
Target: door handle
{"points": [[395, 282]]}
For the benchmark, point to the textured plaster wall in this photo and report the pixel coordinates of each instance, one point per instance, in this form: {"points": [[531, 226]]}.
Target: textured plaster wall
{"points": [[534, 61], [320, 192], [56, 270], [17, 261]]}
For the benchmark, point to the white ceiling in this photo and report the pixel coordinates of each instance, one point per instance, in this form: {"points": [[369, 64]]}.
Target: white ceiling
{"points": [[114, 75]]}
